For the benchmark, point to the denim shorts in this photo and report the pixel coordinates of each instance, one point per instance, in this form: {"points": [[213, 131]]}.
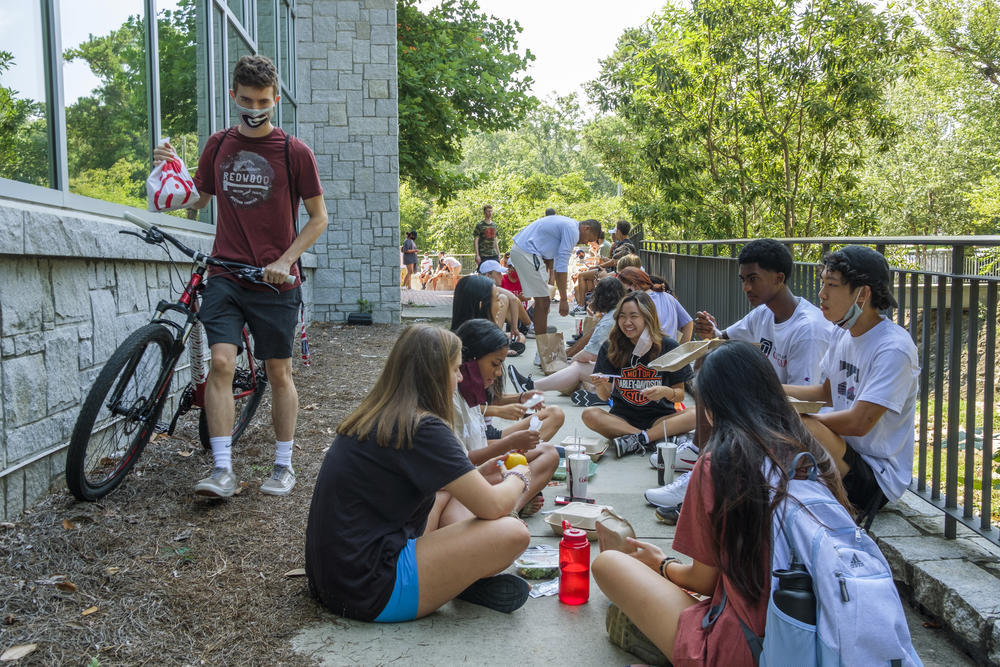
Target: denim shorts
{"points": [[402, 605]]}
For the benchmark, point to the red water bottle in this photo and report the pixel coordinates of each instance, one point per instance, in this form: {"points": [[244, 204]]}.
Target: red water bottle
{"points": [[574, 566]]}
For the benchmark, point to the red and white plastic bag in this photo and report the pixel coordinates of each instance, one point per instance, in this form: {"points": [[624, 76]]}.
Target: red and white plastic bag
{"points": [[170, 187]]}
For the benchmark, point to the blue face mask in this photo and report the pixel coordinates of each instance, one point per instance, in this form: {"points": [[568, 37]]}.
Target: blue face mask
{"points": [[850, 318]]}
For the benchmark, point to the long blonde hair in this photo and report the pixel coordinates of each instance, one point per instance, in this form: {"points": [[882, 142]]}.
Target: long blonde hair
{"points": [[619, 346], [415, 383]]}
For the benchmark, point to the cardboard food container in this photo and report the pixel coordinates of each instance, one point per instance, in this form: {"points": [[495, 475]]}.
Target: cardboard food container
{"points": [[594, 447], [684, 354], [806, 407], [580, 515]]}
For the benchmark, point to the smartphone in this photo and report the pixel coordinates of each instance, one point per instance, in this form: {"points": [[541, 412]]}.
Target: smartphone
{"points": [[566, 500], [533, 401]]}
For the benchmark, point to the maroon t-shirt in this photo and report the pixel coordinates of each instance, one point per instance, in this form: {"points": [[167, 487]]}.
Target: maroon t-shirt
{"points": [[250, 182]]}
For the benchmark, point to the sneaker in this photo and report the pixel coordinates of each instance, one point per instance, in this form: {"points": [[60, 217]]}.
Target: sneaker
{"points": [[578, 311], [280, 483], [633, 443], [624, 634], [585, 399], [538, 360], [530, 333], [671, 494], [654, 461], [521, 383], [503, 592], [220, 484], [687, 453], [668, 515]]}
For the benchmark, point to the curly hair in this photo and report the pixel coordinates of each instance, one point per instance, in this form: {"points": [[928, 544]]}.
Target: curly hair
{"points": [[769, 255], [255, 72], [837, 261], [607, 293]]}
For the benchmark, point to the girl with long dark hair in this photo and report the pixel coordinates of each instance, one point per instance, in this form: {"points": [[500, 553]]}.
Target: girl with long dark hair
{"points": [[724, 525], [642, 398], [382, 535]]}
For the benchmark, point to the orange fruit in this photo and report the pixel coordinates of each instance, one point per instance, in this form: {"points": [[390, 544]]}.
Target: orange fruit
{"points": [[515, 460]]}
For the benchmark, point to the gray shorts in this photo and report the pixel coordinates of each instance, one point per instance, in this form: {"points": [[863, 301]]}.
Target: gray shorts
{"points": [[271, 318]]}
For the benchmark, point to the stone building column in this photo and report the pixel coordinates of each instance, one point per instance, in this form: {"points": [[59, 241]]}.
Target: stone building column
{"points": [[348, 115]]}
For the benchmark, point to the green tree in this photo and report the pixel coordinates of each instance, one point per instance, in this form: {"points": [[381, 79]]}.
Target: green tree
{"points": [[23, 138], [753, 116], [459, 72]]}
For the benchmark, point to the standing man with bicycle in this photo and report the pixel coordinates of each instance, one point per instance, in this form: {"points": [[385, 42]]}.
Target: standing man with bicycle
{"points": [[260, 173]]}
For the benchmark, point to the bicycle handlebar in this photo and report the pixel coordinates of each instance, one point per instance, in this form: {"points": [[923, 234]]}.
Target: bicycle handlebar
{"points": [[154, 234]]}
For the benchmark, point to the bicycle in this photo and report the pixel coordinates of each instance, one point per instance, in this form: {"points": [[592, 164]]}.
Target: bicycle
{"points": [[122, 409]]}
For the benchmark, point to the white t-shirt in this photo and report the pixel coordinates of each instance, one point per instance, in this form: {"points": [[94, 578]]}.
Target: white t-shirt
{"points": [[881, 367], [452, 262], [795, 347], [670, 312], [470, 426]]}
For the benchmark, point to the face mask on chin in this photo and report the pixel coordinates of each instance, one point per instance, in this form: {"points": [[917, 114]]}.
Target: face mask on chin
{"points": [[254, 118], [850, 318]]}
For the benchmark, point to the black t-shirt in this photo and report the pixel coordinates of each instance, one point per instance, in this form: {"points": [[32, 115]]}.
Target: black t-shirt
{"points": [[368, 501], [627, 400]]}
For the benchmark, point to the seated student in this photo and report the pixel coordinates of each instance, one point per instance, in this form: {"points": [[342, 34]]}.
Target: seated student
{"points": [[607, 294], [426, 270], [509, 303], [510, 282], [869, 376], [793, 334], [505, 260], [381, 542], [673, 317], [626, 261], [642, 406], [478, 296], [484, 348], [724, 527], [448, 268]]}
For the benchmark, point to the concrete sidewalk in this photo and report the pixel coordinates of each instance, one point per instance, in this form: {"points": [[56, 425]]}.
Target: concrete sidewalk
{"points": [[544, 631]]}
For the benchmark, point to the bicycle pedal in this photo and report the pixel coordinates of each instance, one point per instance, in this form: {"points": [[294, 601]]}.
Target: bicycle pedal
{"points": [[161, 427]]}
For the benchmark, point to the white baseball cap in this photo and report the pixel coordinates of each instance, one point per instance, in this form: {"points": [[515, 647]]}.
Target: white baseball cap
{"points": [[491, 265]]}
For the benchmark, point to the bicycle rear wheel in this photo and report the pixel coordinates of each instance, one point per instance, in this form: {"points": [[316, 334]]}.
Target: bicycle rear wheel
{"points": [[249, 384], [118, 415]]}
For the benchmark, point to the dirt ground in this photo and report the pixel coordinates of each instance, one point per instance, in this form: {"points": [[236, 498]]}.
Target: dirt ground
{"points": [[154, 574]]}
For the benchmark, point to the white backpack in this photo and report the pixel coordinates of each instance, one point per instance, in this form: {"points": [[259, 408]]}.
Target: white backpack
{"points": [[859, 617]]}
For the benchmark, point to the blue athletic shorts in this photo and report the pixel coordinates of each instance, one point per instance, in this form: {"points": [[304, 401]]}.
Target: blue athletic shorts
{"points": [[402, 605]]}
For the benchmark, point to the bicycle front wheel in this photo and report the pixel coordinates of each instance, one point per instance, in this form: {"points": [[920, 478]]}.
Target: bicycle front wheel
{"points": [[119, 414], [249, 384]]}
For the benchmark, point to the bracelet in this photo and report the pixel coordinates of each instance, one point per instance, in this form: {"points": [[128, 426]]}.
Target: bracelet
{"points": [[515, 473], [663, 567], [520, 397]]}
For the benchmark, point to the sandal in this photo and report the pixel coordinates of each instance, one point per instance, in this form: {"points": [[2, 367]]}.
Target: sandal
{"points": [[532, 507]]}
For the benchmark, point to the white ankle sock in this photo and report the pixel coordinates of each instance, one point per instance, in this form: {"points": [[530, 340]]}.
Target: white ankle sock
{"points": [[645, 436], [222, 451], [283, 452]]}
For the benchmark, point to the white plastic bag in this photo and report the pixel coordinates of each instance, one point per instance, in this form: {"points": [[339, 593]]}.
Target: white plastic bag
{"points": [[169, 187]]}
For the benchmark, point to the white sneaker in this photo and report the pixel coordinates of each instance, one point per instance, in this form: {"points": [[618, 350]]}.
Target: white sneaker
{"points": [[538, 360], [280, 483], [687, 453], [220, 484], [671, 494]]}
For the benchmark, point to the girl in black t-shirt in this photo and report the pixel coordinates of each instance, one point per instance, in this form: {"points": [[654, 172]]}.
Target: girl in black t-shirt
{"points": [[383, 530], [642, 398]]}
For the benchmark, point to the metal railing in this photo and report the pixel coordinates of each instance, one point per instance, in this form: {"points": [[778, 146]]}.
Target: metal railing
{"points": [[952, 318]]}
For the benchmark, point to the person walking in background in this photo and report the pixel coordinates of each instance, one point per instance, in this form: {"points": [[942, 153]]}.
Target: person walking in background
{"points": [[550, 238], [484, 238], [409, 257]]}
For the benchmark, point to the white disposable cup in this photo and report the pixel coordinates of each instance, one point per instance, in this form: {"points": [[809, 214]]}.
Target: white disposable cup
{"points": [[668, 453], [568, 451], [577, 470]]}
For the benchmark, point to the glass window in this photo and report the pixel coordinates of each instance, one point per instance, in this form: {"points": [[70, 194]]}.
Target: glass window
{"points": [[286, 64], [287, 115], [24, 143], [267, 30], [105, 82], [237, 49], [178, 63]]}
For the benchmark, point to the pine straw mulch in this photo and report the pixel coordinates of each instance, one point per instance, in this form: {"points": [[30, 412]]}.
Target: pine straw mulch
{"points": [[154, 574]]}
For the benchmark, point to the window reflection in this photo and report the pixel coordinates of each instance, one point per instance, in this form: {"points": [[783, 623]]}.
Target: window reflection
{"points": [[24, 146], [107, 128], [177, 37]]}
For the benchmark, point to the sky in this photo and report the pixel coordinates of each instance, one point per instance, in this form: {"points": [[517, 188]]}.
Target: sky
{"points": [[567, 37]]}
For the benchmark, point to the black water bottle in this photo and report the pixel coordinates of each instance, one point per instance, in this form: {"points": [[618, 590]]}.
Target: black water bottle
{"points": [[794, 595]]}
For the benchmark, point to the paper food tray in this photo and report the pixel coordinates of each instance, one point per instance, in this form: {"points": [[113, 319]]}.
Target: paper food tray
{"points": [[806, 407], [684, 354], [594, 447], [579, 515]]}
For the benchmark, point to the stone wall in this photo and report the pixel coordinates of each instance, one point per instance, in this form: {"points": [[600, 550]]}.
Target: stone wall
{"points": [[347, 60]]}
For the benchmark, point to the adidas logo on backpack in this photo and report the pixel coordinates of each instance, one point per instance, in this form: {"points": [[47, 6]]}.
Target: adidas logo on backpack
{"points": [[859, 617]]}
